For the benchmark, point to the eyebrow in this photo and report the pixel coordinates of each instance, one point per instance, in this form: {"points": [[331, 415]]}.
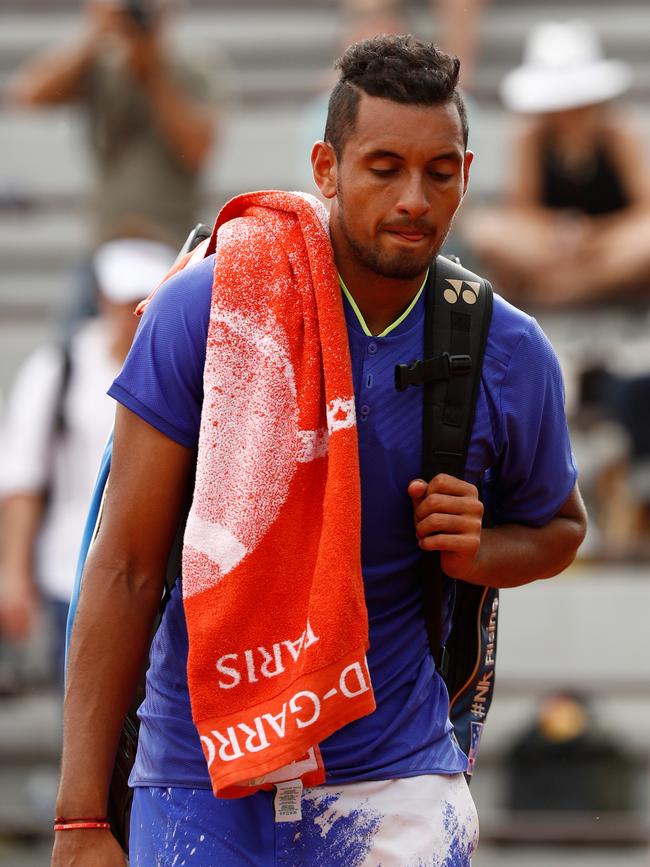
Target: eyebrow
{"points": [[380, 153]]}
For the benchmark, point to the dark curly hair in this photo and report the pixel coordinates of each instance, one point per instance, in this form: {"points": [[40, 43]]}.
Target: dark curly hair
{"points": [[400, 68]]}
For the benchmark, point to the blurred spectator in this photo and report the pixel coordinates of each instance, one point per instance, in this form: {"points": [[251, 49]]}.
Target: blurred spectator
{"points": [[458, 24], [616, 404], [151, 116], [56, 422], [362, 19], [574, 225], [563, 762]]}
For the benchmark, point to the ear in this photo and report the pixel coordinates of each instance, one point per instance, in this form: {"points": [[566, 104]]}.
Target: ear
{"points": [[324, 168], [467, 162]]}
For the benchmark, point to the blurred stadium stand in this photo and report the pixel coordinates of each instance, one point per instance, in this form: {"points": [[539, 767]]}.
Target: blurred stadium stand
{"points": [[587, 630], [584, 631], [278, 58]]}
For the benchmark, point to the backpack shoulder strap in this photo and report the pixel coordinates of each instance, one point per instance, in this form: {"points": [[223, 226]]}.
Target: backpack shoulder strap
{"points": [[59, 416], [457, 321]]}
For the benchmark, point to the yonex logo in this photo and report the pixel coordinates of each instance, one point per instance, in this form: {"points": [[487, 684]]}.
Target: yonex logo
{"points": [[465, 289]]}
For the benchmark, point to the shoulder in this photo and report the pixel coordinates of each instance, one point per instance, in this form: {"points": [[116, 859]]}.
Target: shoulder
{"points": [[162, 377], [255, 245], [621, 135], [518, 356], [620, 123], [184, 299], [529, 132], [172, 335], [508, 324], [508, 327]]}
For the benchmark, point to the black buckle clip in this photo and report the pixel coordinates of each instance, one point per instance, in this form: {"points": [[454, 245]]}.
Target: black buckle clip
{"points": [[442, 663], [441, 367]]}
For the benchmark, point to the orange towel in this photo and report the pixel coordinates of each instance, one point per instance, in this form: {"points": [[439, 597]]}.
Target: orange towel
{"points": [[272, 582]]}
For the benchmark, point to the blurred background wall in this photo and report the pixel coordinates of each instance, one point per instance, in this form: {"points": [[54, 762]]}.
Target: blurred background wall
{"points": [[585, 634]]}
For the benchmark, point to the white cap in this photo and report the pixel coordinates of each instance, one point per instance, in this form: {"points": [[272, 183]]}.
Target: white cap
{"points": [[563, 69], [129, 269]]}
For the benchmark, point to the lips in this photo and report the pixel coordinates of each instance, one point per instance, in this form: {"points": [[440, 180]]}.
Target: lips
{"points": [[407, 235]]}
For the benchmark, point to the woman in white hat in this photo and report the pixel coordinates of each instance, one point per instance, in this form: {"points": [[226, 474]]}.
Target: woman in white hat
{"points": [[576, 221]]}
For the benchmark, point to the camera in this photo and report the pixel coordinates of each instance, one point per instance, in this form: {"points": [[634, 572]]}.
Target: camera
{"points": [[141, 13]]}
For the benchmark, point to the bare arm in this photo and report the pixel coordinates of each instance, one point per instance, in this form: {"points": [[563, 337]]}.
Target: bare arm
{"points": [[461, 25], [448, 517], [121, 592], [187, 124], [21, 519], [524, 185], [628, 153], [52, 78], [56, 75]]}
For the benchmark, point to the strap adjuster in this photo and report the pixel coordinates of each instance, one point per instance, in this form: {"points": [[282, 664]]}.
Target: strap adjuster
{"points": [[442, 663], [441, 367]]}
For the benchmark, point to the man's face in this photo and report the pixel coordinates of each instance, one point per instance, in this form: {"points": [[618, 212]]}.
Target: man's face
{"points": [[397, 185]]}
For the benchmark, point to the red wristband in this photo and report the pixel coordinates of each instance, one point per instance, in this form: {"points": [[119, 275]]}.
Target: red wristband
{"points": [[75, 824]]}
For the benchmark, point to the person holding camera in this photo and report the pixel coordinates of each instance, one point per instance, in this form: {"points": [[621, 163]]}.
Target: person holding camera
{"points": [[151, 116]]}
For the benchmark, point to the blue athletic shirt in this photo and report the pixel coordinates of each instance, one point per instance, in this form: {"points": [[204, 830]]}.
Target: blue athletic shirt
{"points": [[519, 443]]}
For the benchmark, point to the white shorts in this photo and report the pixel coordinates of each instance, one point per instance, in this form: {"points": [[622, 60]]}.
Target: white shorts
{"points": [[428, 820]]}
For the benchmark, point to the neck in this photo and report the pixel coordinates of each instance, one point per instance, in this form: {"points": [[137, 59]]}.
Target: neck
{"points": [[381, 300]]}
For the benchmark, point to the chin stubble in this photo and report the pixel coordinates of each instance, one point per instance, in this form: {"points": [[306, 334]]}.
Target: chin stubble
{"points": [[398, 268]]}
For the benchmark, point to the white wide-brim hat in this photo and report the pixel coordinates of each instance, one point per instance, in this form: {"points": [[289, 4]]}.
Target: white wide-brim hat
{"points": [[563, 69], [129, 269]]}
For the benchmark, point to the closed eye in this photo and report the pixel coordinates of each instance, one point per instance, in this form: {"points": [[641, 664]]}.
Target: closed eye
{"points": [[383, 173]]}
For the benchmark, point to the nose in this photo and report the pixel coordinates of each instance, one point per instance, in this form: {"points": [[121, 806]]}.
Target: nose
{"points": [[413, 200]]}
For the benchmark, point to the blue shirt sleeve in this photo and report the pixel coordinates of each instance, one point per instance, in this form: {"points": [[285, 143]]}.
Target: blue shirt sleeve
{"points": [[536, 470], [162, 378]]}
